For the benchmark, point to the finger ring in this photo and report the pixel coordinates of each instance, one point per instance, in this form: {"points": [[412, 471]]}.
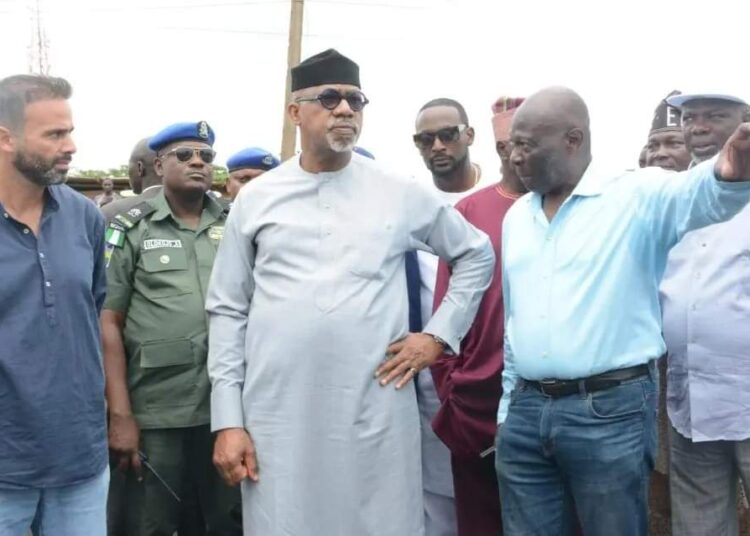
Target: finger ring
{"points": [[413, 370]]}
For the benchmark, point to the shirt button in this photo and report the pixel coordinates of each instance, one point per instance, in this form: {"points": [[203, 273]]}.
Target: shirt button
{"points": [[25, 231], [41, 255], [5, 215], [47, 284]]}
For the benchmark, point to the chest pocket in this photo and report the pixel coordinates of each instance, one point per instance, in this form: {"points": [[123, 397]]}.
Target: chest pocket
{"points": [[370, 250], [166, 272]]}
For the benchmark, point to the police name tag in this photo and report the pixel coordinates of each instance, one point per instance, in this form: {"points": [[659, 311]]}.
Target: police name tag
{"points": [[156, 243], [216, 232]]}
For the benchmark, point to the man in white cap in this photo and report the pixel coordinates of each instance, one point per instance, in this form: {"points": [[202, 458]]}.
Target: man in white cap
{"points": [[705, 298]]}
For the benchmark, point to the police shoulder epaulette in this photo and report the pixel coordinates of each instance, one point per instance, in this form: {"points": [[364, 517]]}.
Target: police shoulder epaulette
{"points": [[130, 218], [225, 205], [124, 221]]}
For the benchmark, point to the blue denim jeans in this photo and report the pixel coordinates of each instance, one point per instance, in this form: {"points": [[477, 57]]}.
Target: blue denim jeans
{"points": [[77, 510], [588, 456]]}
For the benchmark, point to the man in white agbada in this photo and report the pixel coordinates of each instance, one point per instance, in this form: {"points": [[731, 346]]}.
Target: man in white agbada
{"points": [[306, 299]]}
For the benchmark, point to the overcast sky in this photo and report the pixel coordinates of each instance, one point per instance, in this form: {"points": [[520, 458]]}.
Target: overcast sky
{"points": [[138, 65]]}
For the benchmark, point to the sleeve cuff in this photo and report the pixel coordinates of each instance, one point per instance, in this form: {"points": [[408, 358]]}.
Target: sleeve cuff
{"points": [[118, 298], [442, 325], [226, 408]]}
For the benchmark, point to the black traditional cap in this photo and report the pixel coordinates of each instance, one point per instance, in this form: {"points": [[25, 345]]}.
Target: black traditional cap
{"points": [[327, 67], [666, 117]]}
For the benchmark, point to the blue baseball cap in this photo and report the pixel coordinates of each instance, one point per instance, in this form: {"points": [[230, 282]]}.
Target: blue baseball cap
{"points": [[678, 101]]}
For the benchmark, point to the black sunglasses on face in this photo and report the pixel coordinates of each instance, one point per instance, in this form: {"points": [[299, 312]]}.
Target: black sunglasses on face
{"points": [[425, 140], [184, 154], [330, 99]]}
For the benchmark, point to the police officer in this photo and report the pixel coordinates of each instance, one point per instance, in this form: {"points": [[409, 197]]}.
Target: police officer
{"points": [[143, 180], [160, 254], [246, 165]]}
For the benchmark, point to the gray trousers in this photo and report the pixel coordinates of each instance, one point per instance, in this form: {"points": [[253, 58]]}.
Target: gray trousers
{"points": [[703, 483]]}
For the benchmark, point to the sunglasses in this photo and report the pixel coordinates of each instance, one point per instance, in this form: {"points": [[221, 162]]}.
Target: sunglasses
{"points": [[184, 154], [330, 99], [425, 140]]}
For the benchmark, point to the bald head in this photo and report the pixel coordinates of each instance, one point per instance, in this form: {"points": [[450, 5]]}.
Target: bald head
{"points": [[141, 167], [555, 109], [551, 140]]}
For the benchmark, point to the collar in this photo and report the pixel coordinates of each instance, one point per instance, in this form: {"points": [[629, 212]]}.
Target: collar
{"points": [[53, 198], [150, 188], [159, 202], [590, 184]]}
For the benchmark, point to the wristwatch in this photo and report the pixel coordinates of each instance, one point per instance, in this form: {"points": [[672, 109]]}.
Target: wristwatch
{"points": [[440, 341]]}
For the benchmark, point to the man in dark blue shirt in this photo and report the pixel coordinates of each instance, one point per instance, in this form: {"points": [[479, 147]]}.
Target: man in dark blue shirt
{"points": [[53, 450]]}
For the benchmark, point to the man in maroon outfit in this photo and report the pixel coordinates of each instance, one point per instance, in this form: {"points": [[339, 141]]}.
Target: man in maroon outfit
{"points": [[469, 384]]}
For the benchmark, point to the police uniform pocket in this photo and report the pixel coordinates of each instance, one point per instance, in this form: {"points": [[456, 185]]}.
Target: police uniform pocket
{"points": [[622, 401], [167, 353], [166, 272], [171, 378]]}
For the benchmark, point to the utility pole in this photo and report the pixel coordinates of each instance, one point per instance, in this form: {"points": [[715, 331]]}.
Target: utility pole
{"points": [[39, 46], [289, 135]]}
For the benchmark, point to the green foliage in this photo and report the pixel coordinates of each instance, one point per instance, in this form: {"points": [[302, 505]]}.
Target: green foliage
{"points": [[121, 171], [220, 174]]}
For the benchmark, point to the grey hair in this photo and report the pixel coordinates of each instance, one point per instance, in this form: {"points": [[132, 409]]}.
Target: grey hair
{"points": [[16, 92]]}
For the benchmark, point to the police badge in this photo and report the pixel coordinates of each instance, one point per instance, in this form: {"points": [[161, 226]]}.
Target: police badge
{"points": [[203, 130], [216, 232]]}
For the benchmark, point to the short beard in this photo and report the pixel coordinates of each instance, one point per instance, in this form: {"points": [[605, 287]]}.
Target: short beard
{"points": [[457, 164], [339, 145], [38, 170]]}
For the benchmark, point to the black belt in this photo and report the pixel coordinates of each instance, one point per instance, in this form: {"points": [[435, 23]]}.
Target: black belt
{"points": [[606, 380]]}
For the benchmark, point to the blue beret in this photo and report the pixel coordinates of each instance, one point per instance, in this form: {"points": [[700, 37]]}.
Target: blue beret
{"points": [[199, 131], [252, 157], [364, 152]]}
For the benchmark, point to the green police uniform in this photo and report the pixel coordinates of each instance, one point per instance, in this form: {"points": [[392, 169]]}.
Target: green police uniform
{"points": [[158, 272]]}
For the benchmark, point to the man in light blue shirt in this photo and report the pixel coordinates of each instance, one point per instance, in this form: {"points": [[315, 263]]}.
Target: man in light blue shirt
{"points": [[582, 258], [705, 298]]}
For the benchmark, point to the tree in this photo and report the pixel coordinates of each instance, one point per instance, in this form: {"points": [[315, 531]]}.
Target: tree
{"points": [[121, 171], [220, 173]]}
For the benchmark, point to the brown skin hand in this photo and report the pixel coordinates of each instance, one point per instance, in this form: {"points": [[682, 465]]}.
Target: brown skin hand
{"points": [[235, 457], [408, 356], [123, 431], [733, 164]]}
